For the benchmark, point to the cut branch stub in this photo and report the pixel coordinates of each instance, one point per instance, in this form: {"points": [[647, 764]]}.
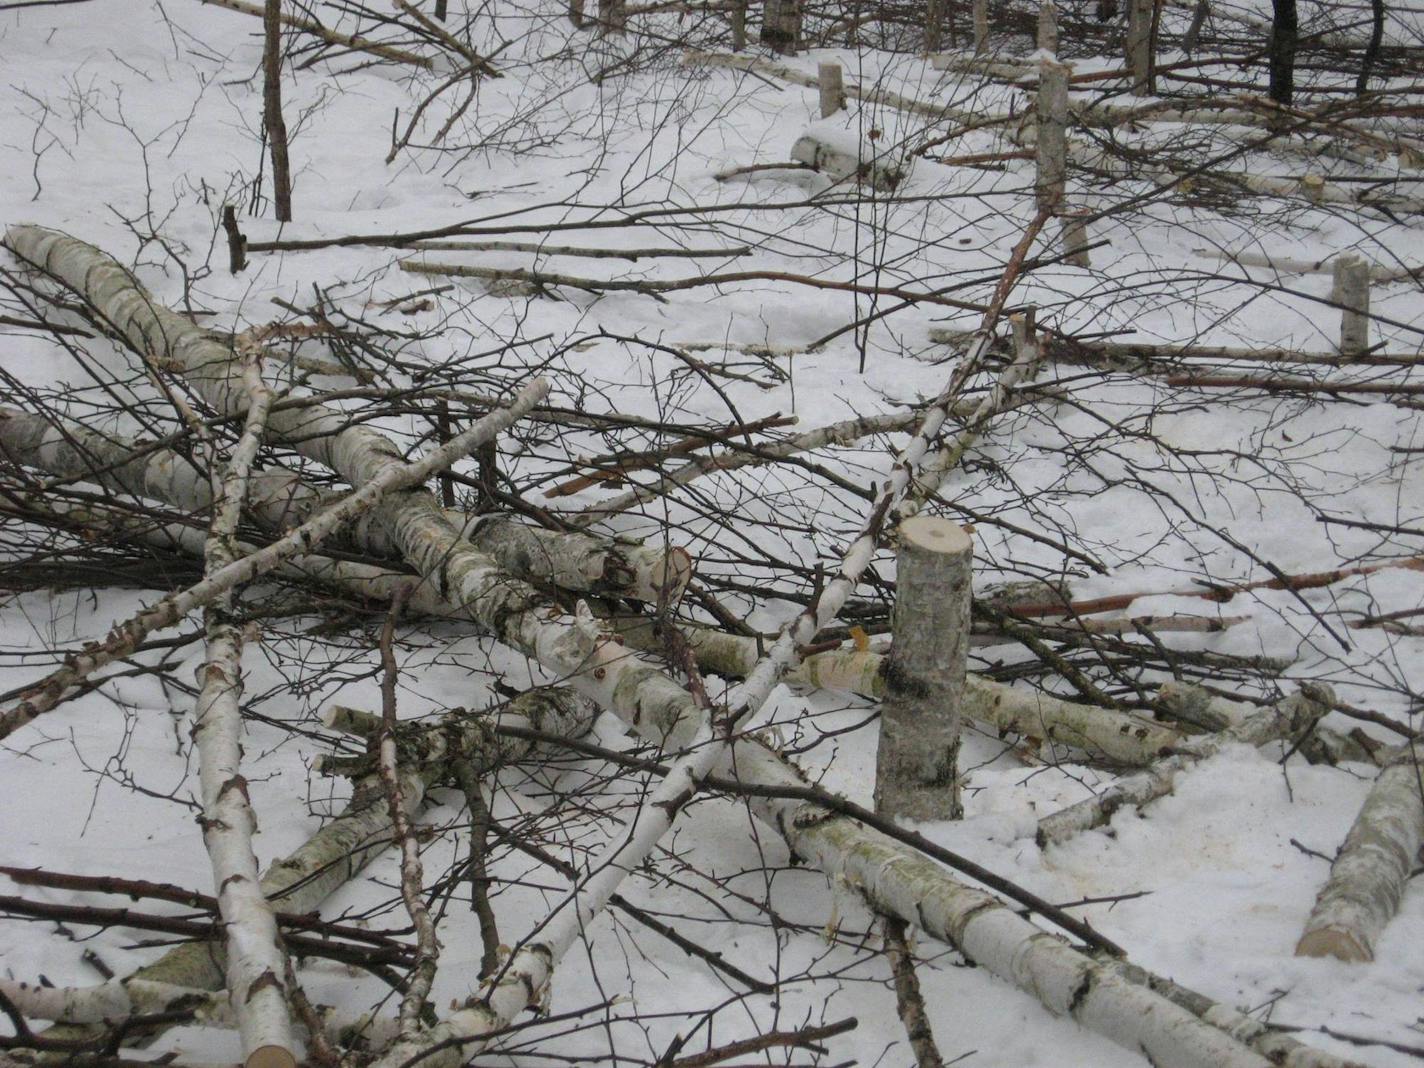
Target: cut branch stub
{"points": [[917, 765]]}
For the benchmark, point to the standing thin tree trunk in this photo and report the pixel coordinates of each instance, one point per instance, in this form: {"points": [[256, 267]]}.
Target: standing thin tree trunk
{"points": [[1137, 45], [1372, 50], [934, 16], [1193, 34], [441, 9], [1284, 36], [272, 110], [781, 26]]}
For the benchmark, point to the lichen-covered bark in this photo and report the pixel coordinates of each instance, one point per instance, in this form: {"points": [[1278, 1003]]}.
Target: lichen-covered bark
{"points": [[1368, 877], [1105, 733]]}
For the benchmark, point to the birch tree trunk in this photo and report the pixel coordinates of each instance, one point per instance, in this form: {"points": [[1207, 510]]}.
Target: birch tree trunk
{"points": [[256, 960], [1368, 877]]}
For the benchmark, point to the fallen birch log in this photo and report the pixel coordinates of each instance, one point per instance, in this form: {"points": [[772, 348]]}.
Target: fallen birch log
{"points": [[1098, 994], [1294, 715], [1199, 709], [569, 644], [278, 499], [1120, 737], [1290, 265], [842, 152], [1373, 867], [1134, 353], [122, 999]]}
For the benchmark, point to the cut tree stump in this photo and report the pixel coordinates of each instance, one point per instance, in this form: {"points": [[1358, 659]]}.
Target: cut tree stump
{"points": [[917, 765]]}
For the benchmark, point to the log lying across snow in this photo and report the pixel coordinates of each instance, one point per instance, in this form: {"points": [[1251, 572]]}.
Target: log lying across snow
{"points": [[834, 147], [279, 498], [1119, 737], [1368, 877], [569, 644], [1295, 715]]}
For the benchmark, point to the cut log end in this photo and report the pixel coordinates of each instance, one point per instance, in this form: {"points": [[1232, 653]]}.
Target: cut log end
{"points": [[1334, 942], [350, 721], [270, 1057], [934, 535]]}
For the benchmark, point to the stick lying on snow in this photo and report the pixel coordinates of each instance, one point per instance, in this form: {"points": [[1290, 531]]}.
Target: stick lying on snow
{"points": [[1294, 715]]}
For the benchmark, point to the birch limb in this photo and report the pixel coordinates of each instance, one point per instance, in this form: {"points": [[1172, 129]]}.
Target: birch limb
{"points": [[256, 959], [1202, 710], [126, 636], [947, 457], [569, 644], [1369, 875], [1288, 717], [316, 29], [1120, 737], [279, 498]]}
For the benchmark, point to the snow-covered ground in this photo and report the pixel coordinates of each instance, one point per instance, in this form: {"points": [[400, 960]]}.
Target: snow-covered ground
{"points": [[131, 124]]}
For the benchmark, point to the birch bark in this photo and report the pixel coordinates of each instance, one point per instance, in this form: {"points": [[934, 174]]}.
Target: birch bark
{"points": [[256, 960]]}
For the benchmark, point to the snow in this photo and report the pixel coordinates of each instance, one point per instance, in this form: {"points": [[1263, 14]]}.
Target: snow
{"points": [[123, 123]]}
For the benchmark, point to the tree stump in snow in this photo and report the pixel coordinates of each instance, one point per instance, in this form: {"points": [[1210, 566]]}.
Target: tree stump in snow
{"points": [[832, 86], [1075, 241], [842, 153], [917, 765], [1352, 289], [781, 26]]}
